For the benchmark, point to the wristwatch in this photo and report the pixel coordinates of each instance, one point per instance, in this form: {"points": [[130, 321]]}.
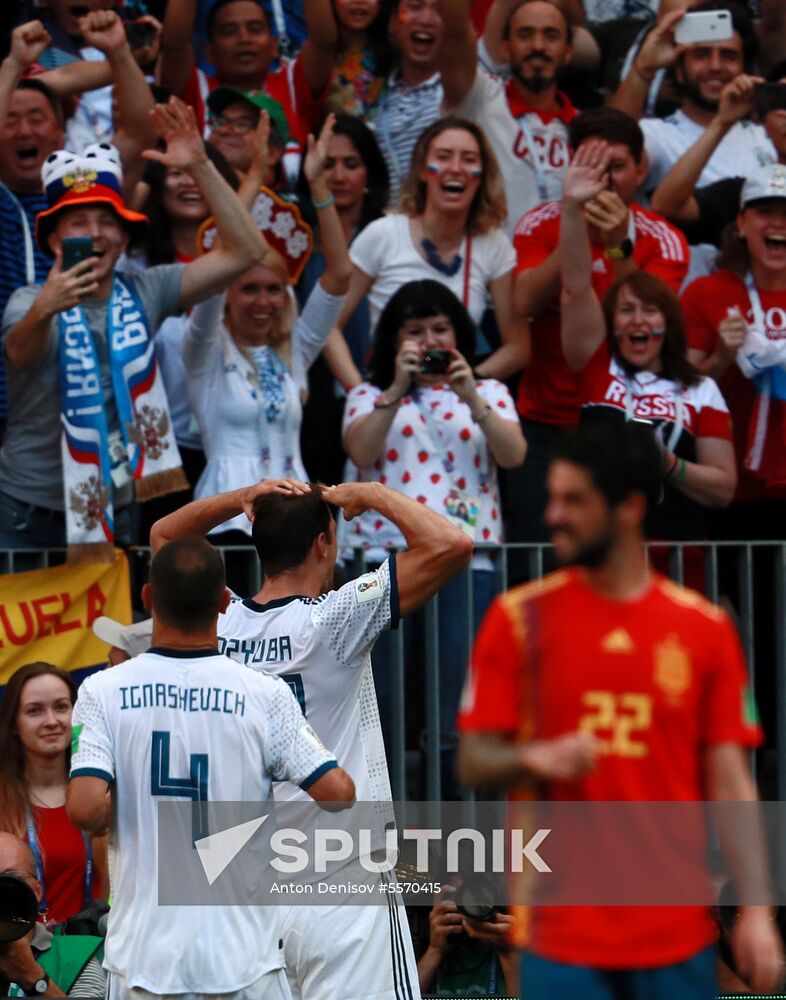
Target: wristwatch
{"points": [[39, 987], [622, 252]]}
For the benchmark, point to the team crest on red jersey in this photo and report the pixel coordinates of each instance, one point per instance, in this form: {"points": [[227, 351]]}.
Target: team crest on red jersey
{"points": [[673, 670]]}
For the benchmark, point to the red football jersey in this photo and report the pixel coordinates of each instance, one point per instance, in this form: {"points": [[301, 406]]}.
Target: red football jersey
{"points": [[657, 680], [705, 303], [548, 389]]}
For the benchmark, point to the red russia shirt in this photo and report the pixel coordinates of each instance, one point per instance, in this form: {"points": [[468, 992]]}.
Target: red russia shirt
{"points": [[657, 680], [62, 848], [705, 303], [288, 85], [548, 389]]}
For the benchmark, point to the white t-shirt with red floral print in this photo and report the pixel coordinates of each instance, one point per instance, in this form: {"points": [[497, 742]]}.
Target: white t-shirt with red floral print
{"points": [[433, 449]]}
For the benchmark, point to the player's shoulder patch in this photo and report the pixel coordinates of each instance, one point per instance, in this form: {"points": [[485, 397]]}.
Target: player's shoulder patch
{"points": [[687, 598], [537, 588], [369, 587]]}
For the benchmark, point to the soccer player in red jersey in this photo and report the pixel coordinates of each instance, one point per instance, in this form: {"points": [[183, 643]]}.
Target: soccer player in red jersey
{"points": [[607, 682]]}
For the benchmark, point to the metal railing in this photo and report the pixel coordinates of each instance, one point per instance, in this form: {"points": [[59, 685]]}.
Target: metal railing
{"points": [[748, 578]]}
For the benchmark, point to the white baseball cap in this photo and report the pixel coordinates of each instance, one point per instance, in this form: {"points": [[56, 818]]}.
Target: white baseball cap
{"points": [[765, 184], [132, 639]]}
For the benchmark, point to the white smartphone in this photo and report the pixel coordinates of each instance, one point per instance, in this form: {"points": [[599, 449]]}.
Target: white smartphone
{"points": [[703, 26]]}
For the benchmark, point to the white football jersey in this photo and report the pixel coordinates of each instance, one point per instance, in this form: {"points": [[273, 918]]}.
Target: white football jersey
{"points": [[322, 648], [179, 725]]}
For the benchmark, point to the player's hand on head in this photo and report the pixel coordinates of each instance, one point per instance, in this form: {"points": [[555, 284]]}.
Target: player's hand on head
{"points": [[758, 949], [353, 498], [287, 487]]}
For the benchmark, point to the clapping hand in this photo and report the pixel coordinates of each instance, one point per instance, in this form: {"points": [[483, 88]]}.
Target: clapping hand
{"points": [[587, 174], [176, 123], [317, 151]]}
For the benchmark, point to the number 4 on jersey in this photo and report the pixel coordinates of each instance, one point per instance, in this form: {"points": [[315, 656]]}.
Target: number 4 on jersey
{"points": [[193, 787]]}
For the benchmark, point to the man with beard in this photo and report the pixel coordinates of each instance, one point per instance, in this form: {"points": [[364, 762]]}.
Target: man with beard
{"points": [[526, 119], [642, 697], [702, 71]]}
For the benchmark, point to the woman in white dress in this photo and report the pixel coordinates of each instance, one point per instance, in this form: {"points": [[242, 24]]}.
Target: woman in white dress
{"points": [[247, 355]]}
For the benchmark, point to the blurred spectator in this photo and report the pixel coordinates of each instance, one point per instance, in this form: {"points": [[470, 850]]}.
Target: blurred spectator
{"points": [[242, 48], [631, 354], [234, 117], [430, 430], [35, 753], [623, 238], [412, 96], [703, 213], [702, 71], [736, 327], [36, 480], [357, 178], [66, 963], [247, 358], [468, 957], [363, 55], [527, 119], [451, 207]]}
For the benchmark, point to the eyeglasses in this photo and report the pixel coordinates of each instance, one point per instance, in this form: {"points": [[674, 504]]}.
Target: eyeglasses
{"points": [[242, 125]]}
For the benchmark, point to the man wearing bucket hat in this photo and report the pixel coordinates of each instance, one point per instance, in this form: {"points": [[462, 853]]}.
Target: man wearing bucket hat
{"points": [[735, 324], [80, 353], [233, 119]]}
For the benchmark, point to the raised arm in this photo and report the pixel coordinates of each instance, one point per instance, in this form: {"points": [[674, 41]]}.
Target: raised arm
{"points": [[436, 550], [241, 244], [658, 51], [674, 197], [458, 55], [177, 54], [28, 41], [583, 325], [336, 277], [200, 516], [318, 55], [336, 353]]}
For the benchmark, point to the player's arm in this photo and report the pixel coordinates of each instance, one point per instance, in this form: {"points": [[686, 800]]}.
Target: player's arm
{"points": [[89, 804], [755, 941], [436, 549], [201, 516], [674, 197], [458, 55], [490, 760], [334, 791]]}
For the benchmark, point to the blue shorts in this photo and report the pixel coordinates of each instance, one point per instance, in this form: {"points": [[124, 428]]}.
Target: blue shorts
{"points": [[693, 979]]}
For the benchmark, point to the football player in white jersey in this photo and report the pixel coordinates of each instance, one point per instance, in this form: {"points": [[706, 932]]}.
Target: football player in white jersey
{"points": [[183, 721], [319, 640]]}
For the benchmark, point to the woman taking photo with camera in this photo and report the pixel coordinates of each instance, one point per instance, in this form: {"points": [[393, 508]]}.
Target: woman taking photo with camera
{"points": [[631, 353], [423, 425], [35, 756]]}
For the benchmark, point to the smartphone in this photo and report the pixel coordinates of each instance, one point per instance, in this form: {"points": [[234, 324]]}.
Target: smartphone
{"points": [[769, 97], [139, 34], [75, 250], [703, 26]]}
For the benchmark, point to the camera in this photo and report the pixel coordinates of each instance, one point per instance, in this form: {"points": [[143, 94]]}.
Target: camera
{"points": [[435, 362], [18, 908], [475, 898]]}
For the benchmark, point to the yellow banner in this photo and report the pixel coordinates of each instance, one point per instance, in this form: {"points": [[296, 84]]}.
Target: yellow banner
{"points": [[46, 614]]}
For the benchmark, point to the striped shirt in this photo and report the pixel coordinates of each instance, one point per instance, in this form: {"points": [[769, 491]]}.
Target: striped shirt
{"points": [[13, 258]]}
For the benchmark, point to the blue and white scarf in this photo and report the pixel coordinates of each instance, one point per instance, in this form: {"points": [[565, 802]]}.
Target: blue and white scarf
{"points": [[145, 452]]}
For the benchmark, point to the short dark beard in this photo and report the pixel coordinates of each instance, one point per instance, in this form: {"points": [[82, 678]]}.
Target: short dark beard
{"points": [[535, 84], [694, 95], [593, 553]]}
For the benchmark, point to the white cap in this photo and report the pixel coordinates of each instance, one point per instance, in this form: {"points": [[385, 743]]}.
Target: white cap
{"points": [[132, 639], [767, 182]]}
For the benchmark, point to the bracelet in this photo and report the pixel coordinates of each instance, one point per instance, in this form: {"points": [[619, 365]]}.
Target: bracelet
{"points": [[324, 204], [379, 405], [485, 413]]}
